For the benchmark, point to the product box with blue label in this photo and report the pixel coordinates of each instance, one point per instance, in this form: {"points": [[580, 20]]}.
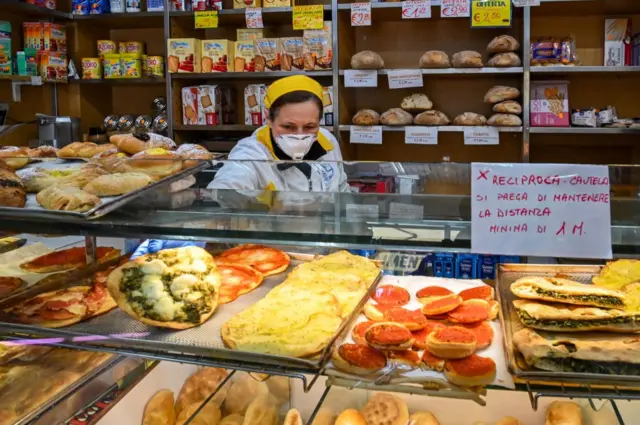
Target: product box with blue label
{"points": [[444, 265], [406, 263], [466, 265], [486, 267]]}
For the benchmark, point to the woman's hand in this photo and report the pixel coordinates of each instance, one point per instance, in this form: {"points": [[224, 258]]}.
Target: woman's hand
{"points": [[154, 245]]}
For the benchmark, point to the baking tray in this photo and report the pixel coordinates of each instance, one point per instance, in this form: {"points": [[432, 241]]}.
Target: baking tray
{"points": [[509, 273], [110, 203]]}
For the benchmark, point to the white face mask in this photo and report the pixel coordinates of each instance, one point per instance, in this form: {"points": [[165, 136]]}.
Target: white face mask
{"points": [[296, 145]]}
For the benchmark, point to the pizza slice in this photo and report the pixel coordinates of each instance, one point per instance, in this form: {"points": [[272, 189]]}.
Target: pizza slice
{"points": [[236, 280], [9, 285], [98, 300], [52, 309], [67, 259], [268, 261]]}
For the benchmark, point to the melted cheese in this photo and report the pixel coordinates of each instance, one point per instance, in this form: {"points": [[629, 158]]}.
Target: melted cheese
{"points": [[194, 296], [213, 280], [154, 267], [152, 287], [78, 309], [199, 266], [182, 284], [166, 308]]}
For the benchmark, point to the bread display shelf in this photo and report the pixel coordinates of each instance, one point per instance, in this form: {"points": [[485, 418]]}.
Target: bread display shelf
{"points": [[245, 75], [583, 130], [460, 71], [443, 129], [226, 128], [19, 6], [583, 69]]}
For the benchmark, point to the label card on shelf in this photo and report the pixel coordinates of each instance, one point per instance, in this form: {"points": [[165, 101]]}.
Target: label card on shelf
{"points": [[360, 14], [416, 9], [360, 78], [206, 18], [525, 3], [360, 212], [371, 135], [404, 78], [253, 17], [405, 211], [481, 136], [36, 80], [308, 17], [421, 135], [454, 9], [547, 210], [491, 14]]}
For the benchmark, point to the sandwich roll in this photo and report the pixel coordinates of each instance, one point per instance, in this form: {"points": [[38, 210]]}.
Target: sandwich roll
{"points": [[156, 162], [453, 342], [472, 371], [389, 336], [358, 359], [350, 417], [563, 413], [423, 418], [159, 409], [508, 420], [293, 418]]}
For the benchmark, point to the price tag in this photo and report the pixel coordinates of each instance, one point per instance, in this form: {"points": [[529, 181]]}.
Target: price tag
{"points": [[549, 210], [490, 14], [416, 9], [364, 134], [481, 136], [403, 78], [454, 9], [361, 78], [405, 211], [360, 14], [206, 18], [359, 212], [36, 80], [525, 3], [253, 17], [308, 17], [421, 135]]}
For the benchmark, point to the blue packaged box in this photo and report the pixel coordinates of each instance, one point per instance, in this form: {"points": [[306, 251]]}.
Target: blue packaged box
{"points": [[466, 265], [486, 267], [406, 263], [509, 259], [444, 265]]}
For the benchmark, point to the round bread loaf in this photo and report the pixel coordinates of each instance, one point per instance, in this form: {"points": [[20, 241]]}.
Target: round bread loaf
{"points": [[367, 60], [505, 60], [508, 107], [423, 418], [503, 44], [417, 102], [293, 418], [470, 118], [499, 94], [467, 59], [563, 413], [350, 417], [396, 116], [434, 59], [261, 411], [505, 120], [431, 118], [386, 409], [366, 117]]}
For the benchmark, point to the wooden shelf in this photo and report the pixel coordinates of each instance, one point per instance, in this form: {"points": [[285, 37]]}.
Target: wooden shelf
{"points": [[244, 75], [441, 129], [584, 69], [583, 130], [226, 128], [123, 20], [461, 71], [19, 7], [270, 15], [15, 77], [122, 81]]}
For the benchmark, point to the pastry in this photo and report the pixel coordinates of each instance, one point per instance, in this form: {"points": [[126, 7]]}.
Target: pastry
{"points": [[428, 292], [470, 118], [423, 418], [67, 198], [117, 184], [483, 333], [432, 362], [431, 118], [566, 291], [508, 107], [199, 386], [470, 311], [159, 409], [113, 151], [501, 93], [261, 411], [293, 418], [325, 416], [505, 60], [367, 60], [236, 280], [43, 151], [503, 44], [12, 191], [563, 413], [210, 414], [358, 359], [366, 117], [37, 179], [404, 360], [434, 306], [350, 417], [385, 409], [9, 284], [133, 143], [413, 320], [243, 389], [392, 295], [416, 103], [193, 154], [82, 150], [508, 420], [14, 157], [434, 59], [467, 59], [389, 336], [420, 336], [54, 309], [155, 162], [232, 419], [504, 120], [481, 292], [279, 388], [358, 331], [472, 371], [375, 312], [396, 116], [454, 342]]}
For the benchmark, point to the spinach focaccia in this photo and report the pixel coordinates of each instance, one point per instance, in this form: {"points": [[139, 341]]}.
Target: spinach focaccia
{"points": [[591, 353], [568, 318], [567, 292], [174, 288]]}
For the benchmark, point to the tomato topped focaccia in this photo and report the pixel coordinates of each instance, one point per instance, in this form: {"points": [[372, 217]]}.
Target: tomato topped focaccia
{"points": [[174, 288], [10, 284], [52, 309], [236, 280], [268, 261], [67, 259]]}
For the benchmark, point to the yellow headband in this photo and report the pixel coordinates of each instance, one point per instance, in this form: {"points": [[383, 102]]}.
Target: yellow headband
{"points": [[290, 84]]}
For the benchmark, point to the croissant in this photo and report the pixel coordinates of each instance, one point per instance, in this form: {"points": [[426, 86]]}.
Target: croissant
{"points": [[67, 198], [138, 142], [82, 150], [117, 184]]}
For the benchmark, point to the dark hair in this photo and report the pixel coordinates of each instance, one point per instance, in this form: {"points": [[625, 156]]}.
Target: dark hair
{"points": [[298, 96]]}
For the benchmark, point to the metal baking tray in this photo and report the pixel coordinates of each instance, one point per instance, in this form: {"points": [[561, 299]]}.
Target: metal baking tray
{"points": [[110, 203], [509, 273]]}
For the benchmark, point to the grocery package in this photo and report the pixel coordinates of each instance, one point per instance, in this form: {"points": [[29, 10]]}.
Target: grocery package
{"points": [[45, 36], [131, 65], [154, 66], [49, 4], [53, 67], [291, 57], [111, 66], [553, 51], [276, 3], [183, 55], [242, 4], [243, 60], [90, 7], [550, 104], [228, 96], [189, 105], [91, 68], [254, 108], [107, 47], [635, 50], [206, 105], [5, 48], [267, 54], [207, 5], [249, 34], [133, 6], [134, 47], [327, 106], [209, 105], [155, 5], [617, 45], [317, 49], [217, 56]]}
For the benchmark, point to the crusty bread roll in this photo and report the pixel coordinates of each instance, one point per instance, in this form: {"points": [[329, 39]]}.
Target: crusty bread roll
{"points": [[243, 389], [508, 107], [451, 342], [117, 184], [82, 150], [386, 409], [209, 414], [431, 118], [67, 198], [156, 162], [563, 413], [193, 154], [416, 103], [503, 44], [293, 418], [470, 118], [279, 388], [14, 157], [434, 59], [12, 191], [472, 371], [504, 60], [504, 120], [350, 417], [138, 142], [501, 93], [508, 420], [261, 411], [367, 60], [325, 416], [423, 418], [201, 385], [366, 117], [467, 59], [396, 116], [232, 419], [159, 409]]}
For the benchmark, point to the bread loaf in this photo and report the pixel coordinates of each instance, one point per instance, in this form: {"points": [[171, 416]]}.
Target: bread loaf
{"points": [[193, 154], [210, 414], [508, 420], [261, 411], [505, 120], [43, 152], [156, 162], [293, 418], [138, 142], [423, 418], [501, 93], [367, 60], [505, 60], [243, 389], [232, 419], [416, 103], [366, 117], [82, 150], [199, 386], [467, 59], [434, 59], [117, 184], [396, 116], [12, 193], [67, 198], [431, 118], [503, 44], [563, 413], [507, 107], [470, 118], [159, 409], [14, 157]]}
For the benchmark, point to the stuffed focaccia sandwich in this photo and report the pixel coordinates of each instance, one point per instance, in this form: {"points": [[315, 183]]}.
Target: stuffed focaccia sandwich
{"points": [[567, 292]]}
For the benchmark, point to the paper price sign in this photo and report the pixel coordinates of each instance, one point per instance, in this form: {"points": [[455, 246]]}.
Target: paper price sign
{"points": [[357, 212], [481, 136], [548, 210], [367, 135], [490, 13], [399, 210], [404, 78], [36, 80], [360, 14], [454, 9], [416, 9], [308, 17], [361, 78], [206, 18], [421, 135], [253, 17], [525, 3]]}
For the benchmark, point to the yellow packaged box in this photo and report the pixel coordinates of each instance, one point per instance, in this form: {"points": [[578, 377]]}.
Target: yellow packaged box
{"points": [[244, 57], [217, 55], [183, 55], [242, 4], [249, 34], [131, 65], [277, 3], [111, 66], [91, 68]]}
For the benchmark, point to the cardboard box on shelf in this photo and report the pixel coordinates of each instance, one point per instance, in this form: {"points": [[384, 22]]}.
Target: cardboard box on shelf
{"points": [[276, 3], [6, 67], [209, 105], [228, 96], [617, 42], [183, 55], [550, 104], [217, 56], [55, 37], [317, 48], [242, 4], [291, 56], [250, 34], [190, 105], [244, 57], [327, 106], [53, 67], [254, 109], [267, 54]]}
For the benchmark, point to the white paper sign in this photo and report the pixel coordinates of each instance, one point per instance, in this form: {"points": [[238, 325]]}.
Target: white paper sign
{"points": [[361, 78], [416, 9], [481, 136], [455, 9], [253, 17], [371, 135], [360, 14], [405, 211], [548, 210], [525, 3], [404, 78], [36, 80], [358, 212], [421, 135]]}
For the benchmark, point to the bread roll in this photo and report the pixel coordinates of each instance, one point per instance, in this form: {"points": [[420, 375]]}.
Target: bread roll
{"points": [[199, 386], [193, 154], [138, 142], [416, 103], [82, 150], [501, 93], [470, 118], [14, 157], [431, 118], [325, 416], [386, 409], [159, 409], [43, 152], [261, 411], [209, 414], [563, 413], [182, 184], [505, 60], [473, 371], [117, 184], [279, 388], [366, 117], [350, 417], [503, 44], [396, 116], [12, 191], [232, 419], [434, 59], [423, 418], [508, 420], [293, 418], [242, 390], [367, 60], [451, 342], [505, 120], [67, 198], [154, 162], [508, 107], [467, 59]]}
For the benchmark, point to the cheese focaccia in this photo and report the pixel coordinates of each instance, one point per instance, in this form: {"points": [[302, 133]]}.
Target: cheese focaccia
{"points": [[173, 288], [568, 318], [567, 292]]}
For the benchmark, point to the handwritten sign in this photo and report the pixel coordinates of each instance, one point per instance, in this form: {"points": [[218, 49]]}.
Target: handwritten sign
{"points": [[526, 3], [206, 18], [361, 78], [454, 9], [253, 17], [359, 212], [549, 210], [360, 14], [490, 13], [308, 17], [399, 210], [416, 9], [481, 136], [369, 135], [421, 135], [404, 78]]}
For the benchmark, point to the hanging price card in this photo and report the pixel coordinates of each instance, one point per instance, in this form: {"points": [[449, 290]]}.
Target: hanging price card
{"points": [[356, 213], [421, 135], [454, 9], [490, 13], [398, 210], [308, 17], [416, 9], [481, 136], [253, 17], [360, 14], [403, 78], [525, 3], [361, 78], [368, 135], [206, 18]]}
